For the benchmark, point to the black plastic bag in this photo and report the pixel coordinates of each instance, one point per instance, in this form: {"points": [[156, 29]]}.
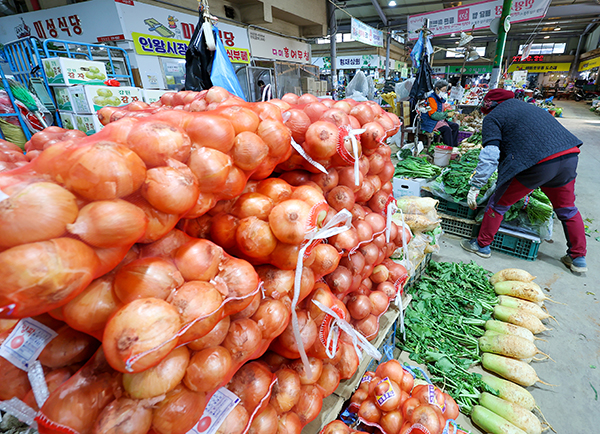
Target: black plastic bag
{"points": [[423, 83], [198, 60]]}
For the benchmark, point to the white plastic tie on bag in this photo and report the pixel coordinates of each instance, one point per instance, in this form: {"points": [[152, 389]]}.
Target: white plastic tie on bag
{"points": [[307, 157], [3, 196], [405, 259], [344, 217], [399, 305], [38, 383], [390, 211], [359, 342], [354, 142], [19, 409]]}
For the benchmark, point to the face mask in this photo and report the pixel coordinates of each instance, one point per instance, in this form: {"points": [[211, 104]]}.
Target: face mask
{"points": [[443, 95]]}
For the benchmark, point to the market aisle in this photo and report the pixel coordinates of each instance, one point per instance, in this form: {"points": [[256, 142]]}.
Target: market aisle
{"points": [[571, 407]]}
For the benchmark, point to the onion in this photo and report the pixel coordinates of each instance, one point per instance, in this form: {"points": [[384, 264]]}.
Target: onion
{"points": [[171, 189], [329, 379], [211, 131], [15, 382], [249, 310], [379, 201], [199, 260], [343, 105], [208, 369], [166, 246], [251, 384], [243, 339], [286, 391], [289, 423], [368, 326], [267, 111], [376, 163], [316, 367], [147, 277], [54, 379], [310, 404], [159, 379], [276, 136], [379, 301], [236, 278], [388, 289], [363, 113], [286, 344], [397, 271], [347, 178], [349, 361], [255, 238], [243, 119], [272, 317], [145, 325], [249, 151], [376, 221], [354, 262], [321, 140], [124, 415], [283, 105], [179, 411], [157, 142], [103, 170], [364, 231], [326, 259], [213, 338], [69, 347], [211, 167], [346, 241], [393, 370], [369, 411], [39, 277], [392, 422], [326, 181], [307, 98], [315, 110], [340, 280], [359, 306], [341, 197], [38, 212], [274, 188], [277, 283], [252, 204], [235, 422], [374, 135], [337, 117], [223, 229], [159, 223], [289, 221], [265, 422], [387, 173], [298, 122], [380, 274]]}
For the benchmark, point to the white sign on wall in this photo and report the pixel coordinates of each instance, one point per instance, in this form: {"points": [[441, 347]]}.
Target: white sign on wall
{"points": [[479, 15], [269, 46], [366, 34]]}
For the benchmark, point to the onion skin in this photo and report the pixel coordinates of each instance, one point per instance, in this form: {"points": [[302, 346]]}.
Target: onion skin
{"points": [[147, 277], [208, 369], [179, 411], [213, 338], [243, 339], [286, 391], [42, 276], [124, 416], [310, 404], [140, 326], [38, 212], [235, 422], [265, 422], [69, 347], [289, 423]]}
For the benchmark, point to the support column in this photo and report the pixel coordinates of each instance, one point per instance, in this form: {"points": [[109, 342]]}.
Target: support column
{"points": [[387, 53], [333, 47], [500, 45]]}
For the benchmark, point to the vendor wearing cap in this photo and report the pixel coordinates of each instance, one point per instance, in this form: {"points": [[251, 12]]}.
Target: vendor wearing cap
{"points": [[435, 118], [530, 149]]}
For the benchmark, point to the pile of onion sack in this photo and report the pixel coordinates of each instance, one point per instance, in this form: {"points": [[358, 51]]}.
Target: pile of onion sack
{"points": [[198, 243]]}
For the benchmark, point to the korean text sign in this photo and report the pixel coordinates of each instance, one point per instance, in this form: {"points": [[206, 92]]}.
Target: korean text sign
{"points": [[479, 15], [366, 34], [275, 47]]}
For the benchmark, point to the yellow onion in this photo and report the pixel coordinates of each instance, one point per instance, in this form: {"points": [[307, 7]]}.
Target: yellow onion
{"points": [[156, 142], [38, 212], [39, 277], [179, 411], [125, 416], [199, 260], [109, 223], [172, 189], [159, 379], [69, 347], [147, 277], [159, 223], [104, 170], [145, 328], [213, 338], [208, 369]]}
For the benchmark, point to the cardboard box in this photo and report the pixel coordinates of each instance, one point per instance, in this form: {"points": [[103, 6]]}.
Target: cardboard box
{"points": [[79, 100], [66, 71], [89, 99], [89, 124], [405, 113], [150, 95], [407, 186], [67, 120], [63, 98]]}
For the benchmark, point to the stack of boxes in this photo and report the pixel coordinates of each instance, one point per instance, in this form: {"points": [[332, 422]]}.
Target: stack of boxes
{"points": [[312, 86], [80, 92]]}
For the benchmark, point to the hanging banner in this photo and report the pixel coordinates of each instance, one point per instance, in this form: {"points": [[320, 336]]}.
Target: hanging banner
{"points": [[76, 22], [477, 15], [160, 24], [352, 62], [540, 67], [151, 45], [590, 64], [438, 70], [270, 46], [366, 34], [470, 69]]}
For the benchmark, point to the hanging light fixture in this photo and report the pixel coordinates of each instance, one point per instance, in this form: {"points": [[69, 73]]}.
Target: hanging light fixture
{"points": [[472, 55], [392, 3], [464, 39], [546, 37]]}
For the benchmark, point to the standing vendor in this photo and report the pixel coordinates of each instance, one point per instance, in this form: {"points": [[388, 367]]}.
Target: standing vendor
{"points": [[435, 118], [530, 149]]}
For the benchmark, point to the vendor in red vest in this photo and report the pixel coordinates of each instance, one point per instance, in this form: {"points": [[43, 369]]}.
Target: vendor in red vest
{"points": [[435, 117], [530, 149]]}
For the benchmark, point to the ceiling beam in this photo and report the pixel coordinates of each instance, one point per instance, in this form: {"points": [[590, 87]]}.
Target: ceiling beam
{"points": [[573, 10], [377, 7]]}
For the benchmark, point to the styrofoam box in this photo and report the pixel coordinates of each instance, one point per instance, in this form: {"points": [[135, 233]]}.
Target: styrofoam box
{"points": [[66, 71], [89, 124], [408, 187], [152, 95], [67, 120]]}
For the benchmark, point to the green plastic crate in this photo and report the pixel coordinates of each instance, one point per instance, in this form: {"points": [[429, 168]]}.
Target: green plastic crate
{"points": [[455, 209], [516, 244], [458, 226]]}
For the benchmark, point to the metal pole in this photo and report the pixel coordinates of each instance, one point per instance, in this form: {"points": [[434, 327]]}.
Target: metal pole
{"points": [[332, 46], [504, 22], [387, 54]]}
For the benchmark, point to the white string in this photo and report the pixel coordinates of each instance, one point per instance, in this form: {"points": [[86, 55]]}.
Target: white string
{"points": [[307, 157], [332, 228], [354, 142], [358, 340], [391, 210]]}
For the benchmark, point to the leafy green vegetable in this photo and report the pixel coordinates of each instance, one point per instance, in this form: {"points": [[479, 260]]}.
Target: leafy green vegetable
{"points": [[456, 178], [536, 205], [450, 306], [415, 167]]}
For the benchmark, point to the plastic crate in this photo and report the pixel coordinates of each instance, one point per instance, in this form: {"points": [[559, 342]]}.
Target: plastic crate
{"points": [[516, 244], [458, 226], [455, 209], [462, 135], [419, 271]]}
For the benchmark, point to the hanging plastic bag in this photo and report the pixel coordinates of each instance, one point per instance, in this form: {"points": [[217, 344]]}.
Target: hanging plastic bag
{"points": [[198, 61], [358, 88], [222, 73]]}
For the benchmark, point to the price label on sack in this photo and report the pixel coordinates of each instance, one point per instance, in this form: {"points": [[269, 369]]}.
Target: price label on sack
{"points": [[217, 409], [26, 342]]}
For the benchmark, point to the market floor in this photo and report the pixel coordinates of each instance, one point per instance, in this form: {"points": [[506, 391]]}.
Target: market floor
{"points": [[573, 405]]}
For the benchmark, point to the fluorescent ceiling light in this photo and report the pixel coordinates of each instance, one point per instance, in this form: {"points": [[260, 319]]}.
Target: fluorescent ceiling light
{"points": [[556, 29], [392, 3], [546, 37]]}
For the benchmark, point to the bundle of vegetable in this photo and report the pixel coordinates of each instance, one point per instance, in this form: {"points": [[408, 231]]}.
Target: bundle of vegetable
{"points": [[416, 167], [455, 179], [536, 205]]}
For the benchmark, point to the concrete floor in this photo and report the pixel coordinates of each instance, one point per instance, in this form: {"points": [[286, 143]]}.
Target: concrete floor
{"points": [[572, 406]]}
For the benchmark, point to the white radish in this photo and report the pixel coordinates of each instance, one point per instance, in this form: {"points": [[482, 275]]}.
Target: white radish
{"points": [[520, 318], [511, 369], [511, 274]]}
